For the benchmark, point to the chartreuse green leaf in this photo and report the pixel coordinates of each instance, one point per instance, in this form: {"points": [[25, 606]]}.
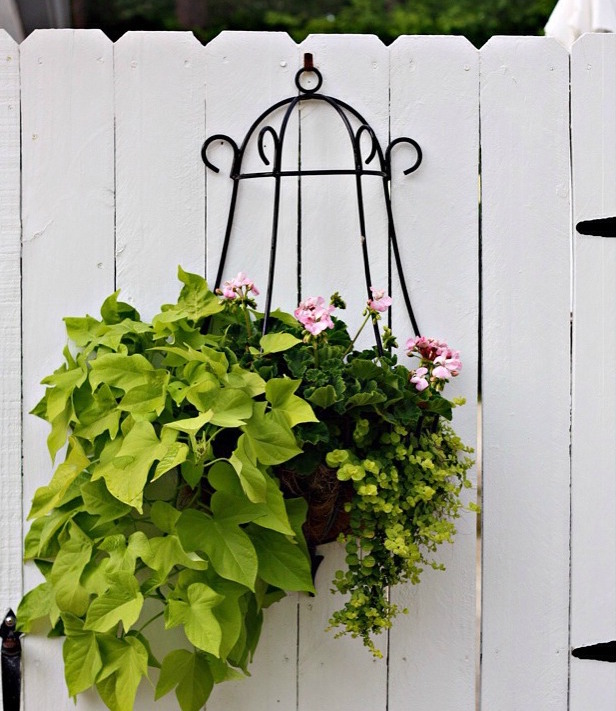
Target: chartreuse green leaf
{"points": [[99, 502], [196, 614], [126, 473], [228, 548], [189, 674], [164, 516], [165, 552], [232, 504], [174, 455], [114, 311], [82, 659], [280, 394], [98, 413], [229, 613], [282, 562], [278, 342], [121, 603], [36, 604], [125, 663], [231, 408], [48, 497], [244, 463], [59, 431], [196, 301], [252, 621], [121, 371], [72, 558], [149, 397], [63, 383], [191, 425], [235, 509], [271, 441], [251, 383]]}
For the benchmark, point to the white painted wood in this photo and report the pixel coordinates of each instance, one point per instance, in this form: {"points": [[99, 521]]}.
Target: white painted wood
{"points": [[160, 224], [10, 328], [246, 73], [160, 192], [68, 225], [355, 69], [526, 373], [593, 542], [434, 100]]}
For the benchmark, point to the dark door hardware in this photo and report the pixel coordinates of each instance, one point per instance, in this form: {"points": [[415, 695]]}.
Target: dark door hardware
{"points": [[602, 652], [11, 663], [601, 227]]}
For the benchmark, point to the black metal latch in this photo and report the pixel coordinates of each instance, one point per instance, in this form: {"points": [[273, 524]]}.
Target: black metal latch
{"points": [[11, 663]]}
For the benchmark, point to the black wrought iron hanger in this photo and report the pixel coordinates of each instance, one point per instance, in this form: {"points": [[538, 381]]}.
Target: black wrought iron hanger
{"points": [[273, 169]]}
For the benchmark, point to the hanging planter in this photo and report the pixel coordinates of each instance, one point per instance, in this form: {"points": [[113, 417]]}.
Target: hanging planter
{"points": [[211, 450]]}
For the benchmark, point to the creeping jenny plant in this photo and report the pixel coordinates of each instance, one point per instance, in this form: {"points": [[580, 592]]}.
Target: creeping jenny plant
{"points": [[194, 447]]}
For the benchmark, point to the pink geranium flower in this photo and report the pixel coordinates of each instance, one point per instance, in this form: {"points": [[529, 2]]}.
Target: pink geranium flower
{"points": [[314, 315], [419, 379], [240, 286], [380, 301], [450, 361]]}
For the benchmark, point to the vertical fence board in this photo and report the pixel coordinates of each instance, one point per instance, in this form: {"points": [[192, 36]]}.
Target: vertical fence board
{"points": [[160, 192], [10, 328], [526, 373], [247, 73], [68, 218], [159, 87], [434, 100], [355, 69], [593, 512]]}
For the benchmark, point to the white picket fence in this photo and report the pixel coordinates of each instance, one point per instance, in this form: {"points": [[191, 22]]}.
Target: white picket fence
{"points": [[102, 187]]}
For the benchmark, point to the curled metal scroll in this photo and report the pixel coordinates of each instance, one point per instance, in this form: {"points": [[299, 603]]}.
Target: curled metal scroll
{"points": [[262, 127], [221, 138]]}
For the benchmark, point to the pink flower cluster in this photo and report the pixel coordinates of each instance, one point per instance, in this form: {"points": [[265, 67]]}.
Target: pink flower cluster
{"points": [[380, 301], [240, 286], [314, 315], [442, 361]]}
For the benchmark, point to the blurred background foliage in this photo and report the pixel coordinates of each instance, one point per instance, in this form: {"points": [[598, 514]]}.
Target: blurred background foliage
{"points": [[478, 20]]}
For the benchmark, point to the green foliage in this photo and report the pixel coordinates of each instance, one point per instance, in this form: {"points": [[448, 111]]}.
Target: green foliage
{"points": [[171, 497], [164, 495], [478, 20]]}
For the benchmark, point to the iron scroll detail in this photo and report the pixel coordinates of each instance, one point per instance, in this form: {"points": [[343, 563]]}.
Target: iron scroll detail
{"points": [[377, 164]]}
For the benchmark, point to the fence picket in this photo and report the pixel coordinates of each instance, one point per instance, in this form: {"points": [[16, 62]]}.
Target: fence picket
{"points": [[434, 81], [160, 202], [593, 486], [10, 327], [356, 70], [247, 73], [68, 266], [525, 373]]}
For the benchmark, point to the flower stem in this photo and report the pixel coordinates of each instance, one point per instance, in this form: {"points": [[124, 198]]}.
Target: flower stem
{"points": [[156, 616], [361, 328], [316, 353], [247, 321]]}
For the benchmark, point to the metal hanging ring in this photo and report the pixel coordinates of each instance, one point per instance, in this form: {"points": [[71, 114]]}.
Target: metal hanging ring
{"points": [[311, 70]]}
